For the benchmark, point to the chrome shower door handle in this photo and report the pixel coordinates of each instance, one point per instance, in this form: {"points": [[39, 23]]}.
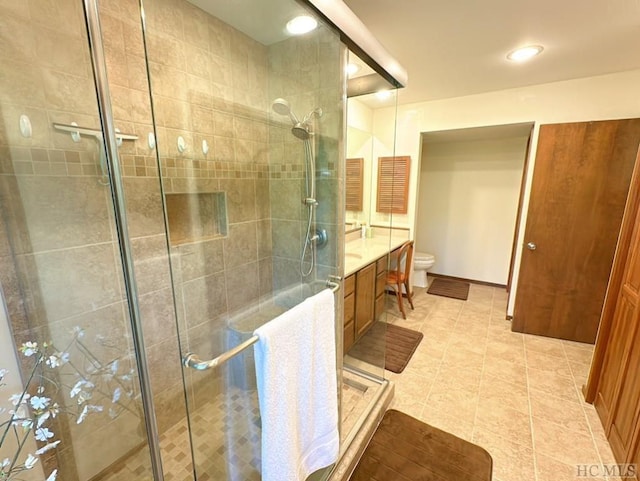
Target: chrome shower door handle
{"points": [[531, 246]]}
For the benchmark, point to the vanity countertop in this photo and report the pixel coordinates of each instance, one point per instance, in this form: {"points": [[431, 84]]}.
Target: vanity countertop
{"points": [[360, 252]]}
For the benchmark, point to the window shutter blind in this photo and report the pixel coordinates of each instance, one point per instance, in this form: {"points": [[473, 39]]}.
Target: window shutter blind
{"points": [[353, 181], [393, 184]]}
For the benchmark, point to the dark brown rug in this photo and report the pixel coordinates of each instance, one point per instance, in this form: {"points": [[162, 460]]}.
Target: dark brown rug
{"points": [[397, 345], [449, 288], [405, 449]]}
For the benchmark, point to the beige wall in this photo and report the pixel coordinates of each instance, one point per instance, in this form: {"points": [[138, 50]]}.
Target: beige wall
{"points": [[467, 206]]}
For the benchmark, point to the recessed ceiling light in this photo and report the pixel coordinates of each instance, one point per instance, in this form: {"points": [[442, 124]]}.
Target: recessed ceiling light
{"points": [[302, 24], [525, 53], [352, 69], [383, 94]]}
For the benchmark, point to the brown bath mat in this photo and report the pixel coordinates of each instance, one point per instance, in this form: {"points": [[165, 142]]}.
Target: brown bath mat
{"points": [[398, 343], [405, 449], [449, 288]]}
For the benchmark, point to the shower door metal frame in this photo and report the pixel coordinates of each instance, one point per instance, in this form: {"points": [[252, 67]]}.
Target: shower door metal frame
{"points": [[99, 66]]}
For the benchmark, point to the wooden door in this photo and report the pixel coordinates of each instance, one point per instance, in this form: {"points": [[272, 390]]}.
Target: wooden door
{"points": [[618, 393], [580, 184]]}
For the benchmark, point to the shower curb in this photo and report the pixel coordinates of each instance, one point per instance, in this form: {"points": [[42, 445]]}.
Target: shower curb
{"points": [[350, 458]]}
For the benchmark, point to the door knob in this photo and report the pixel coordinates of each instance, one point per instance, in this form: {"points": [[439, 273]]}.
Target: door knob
{"points": [[531, 246]]}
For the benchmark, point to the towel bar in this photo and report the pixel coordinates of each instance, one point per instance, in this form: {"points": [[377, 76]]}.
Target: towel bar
{"points": [[193, 361]]}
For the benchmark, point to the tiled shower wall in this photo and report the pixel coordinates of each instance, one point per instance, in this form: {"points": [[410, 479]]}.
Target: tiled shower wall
{"points": [[59, 259]]}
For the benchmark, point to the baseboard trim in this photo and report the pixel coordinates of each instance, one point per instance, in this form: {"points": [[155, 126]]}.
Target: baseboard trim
{"points": [[472, 281]]}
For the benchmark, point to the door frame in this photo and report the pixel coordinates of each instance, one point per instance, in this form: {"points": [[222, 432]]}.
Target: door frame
{"points": [[523, 185]]}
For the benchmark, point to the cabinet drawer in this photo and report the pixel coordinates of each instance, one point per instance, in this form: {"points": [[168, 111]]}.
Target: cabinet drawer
{"points": [[349, 308], [349, 285], [381, 264]]}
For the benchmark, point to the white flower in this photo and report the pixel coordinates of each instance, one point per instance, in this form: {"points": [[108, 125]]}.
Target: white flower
{"points": [[29, 348], [19, 398], [47, 447], [30, 461], [5, 463], [114, 366], [53, 361], [40, 389], [27, 424], [64, 357], [39, 402], [3, 373], [52, 476], [42, 434]]}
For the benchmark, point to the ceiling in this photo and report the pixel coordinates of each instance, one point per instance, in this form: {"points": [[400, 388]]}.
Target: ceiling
{"points": [[455, 48]]}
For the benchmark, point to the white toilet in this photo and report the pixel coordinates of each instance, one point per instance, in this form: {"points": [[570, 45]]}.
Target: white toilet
{"points": [[422, 262]]}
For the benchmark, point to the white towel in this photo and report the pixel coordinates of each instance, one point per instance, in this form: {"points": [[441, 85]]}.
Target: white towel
{"points": [[297, 390]]}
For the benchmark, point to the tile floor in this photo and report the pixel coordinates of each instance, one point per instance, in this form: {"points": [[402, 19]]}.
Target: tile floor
{"points": [[517, 395], [226, 436]]}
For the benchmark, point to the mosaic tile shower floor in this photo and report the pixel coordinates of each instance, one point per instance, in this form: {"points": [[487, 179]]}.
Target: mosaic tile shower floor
{"points": [[226, 439]]}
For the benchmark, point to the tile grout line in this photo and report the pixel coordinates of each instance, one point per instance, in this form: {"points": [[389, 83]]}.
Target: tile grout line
{"points": [[533, 436], [435, 376], [482, 371], [584, 412]]}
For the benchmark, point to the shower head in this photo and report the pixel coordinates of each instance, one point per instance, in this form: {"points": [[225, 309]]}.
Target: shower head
{"points": [[301, 131], [281, 107]]}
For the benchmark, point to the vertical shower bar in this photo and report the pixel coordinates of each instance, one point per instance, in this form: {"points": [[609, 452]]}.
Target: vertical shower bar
{"points": [[120, 214]]}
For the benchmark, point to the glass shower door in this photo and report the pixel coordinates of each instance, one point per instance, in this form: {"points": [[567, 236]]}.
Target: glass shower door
{"points": [[247, 121], [70, 391]]}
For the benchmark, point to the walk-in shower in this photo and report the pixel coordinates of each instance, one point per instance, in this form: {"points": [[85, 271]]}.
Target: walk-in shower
{"points": [[184, 237], [303, 130]]}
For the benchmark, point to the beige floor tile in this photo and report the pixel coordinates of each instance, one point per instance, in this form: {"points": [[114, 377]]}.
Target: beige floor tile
{"points": [[453, 402], [492, 390], [578, 353], [549, 469], [569, 415], [550, 363], [559, 443], [408, 406], [509, 424], [445, 421], [511, 461], [580, 372], [545, 345], [553, 384], [514, 371], [505, 350], [459, 377], [500, 390]]}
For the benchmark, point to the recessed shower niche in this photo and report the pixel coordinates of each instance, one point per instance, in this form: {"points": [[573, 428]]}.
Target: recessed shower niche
{"points": [[196, 216]]}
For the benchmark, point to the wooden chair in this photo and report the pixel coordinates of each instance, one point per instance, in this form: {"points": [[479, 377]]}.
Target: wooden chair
{"points": [[399, 275]]}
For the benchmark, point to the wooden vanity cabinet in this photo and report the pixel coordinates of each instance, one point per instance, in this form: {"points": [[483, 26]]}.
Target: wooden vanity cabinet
{"points": [[365, 295], [349, 286], [381, 283]]}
